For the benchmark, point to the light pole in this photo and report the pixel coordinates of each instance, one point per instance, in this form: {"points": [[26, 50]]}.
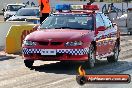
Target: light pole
{"points": [[127, 6], [122, 7]]}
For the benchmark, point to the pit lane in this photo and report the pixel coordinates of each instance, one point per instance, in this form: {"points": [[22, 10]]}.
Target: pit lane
{"points": [[13, 73]]}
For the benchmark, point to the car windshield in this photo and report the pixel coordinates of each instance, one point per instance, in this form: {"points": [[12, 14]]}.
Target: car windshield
{"points": [[14, 7], [28, 12], [69, 21]]}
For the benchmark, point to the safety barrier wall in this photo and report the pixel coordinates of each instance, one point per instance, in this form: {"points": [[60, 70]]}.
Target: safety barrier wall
{"points": [[121, 22], [15, 37]]}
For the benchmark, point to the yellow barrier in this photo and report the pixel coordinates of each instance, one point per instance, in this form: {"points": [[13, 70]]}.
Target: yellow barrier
{"points": [[15, 36]]}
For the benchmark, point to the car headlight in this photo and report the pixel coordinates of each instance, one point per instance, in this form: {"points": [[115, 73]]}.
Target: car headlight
{"points": [[75, 43], [29, 43]]}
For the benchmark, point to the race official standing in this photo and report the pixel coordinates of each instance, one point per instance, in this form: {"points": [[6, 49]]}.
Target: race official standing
{"points": [[44, 9]]}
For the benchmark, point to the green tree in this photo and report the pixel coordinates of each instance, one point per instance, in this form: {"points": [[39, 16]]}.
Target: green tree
{"points": [[127, 0]]}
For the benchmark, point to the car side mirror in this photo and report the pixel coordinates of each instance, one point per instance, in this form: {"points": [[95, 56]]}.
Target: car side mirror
{"points": [[101, 28], [36, 27]]}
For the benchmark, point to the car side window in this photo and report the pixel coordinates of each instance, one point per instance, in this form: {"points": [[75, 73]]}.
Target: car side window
{"points": [[99, 21], [107, 22]]}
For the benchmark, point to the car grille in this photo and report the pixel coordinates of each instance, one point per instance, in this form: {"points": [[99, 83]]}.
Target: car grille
{"points": [[56, 43], [10, 15], [43, 43], [50, 43]]}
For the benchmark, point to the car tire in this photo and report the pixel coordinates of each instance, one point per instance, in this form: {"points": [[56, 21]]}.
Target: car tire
{"points": [[131, 33], [64, 62], [28, 63], [91, 57], [114, 58], [5, 19]]}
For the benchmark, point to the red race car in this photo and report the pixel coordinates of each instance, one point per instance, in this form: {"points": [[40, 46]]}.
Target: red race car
{"points": [[78, 34]]}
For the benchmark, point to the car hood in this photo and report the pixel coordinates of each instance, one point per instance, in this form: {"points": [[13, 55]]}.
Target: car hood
{"points": [[20, 18], [58, 35]]}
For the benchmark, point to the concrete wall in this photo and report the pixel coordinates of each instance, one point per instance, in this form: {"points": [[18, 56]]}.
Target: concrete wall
{"points": [[117, 5]]}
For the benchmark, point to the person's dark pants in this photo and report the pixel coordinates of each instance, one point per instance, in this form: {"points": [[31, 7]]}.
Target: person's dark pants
{"points": [[44, 16]]}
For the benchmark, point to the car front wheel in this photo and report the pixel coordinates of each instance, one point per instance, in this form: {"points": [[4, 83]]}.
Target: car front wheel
{"points": [[5, 19], [114, 57], [91, 57], [28, 63]]}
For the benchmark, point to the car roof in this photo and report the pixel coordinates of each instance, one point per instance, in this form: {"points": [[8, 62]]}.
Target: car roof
{"points": [[30, 8], [16, 4]]}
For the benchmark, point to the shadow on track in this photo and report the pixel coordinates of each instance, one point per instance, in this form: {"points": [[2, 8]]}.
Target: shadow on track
{"points": [[4, 57], [71, 68]]}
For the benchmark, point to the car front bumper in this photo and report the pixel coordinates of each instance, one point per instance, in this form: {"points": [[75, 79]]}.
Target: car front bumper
{"points": [[7, 17], [58, 55]]}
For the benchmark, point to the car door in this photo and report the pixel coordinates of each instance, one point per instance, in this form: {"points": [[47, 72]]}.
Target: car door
{"points": [[109, 34], [100, 39]]}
